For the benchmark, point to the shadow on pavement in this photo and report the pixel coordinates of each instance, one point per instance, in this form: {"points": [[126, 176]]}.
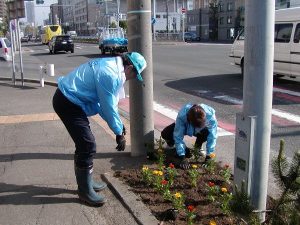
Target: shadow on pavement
{"points": [[17, 86], [12, 194], [93, 56], [214, 87]]}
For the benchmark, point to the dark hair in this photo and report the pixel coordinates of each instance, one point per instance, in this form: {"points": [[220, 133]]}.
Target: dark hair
{"points": [[196, 116]]}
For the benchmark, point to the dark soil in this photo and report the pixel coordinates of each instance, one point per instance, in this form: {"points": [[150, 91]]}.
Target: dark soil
{"points": [[205, 210]]}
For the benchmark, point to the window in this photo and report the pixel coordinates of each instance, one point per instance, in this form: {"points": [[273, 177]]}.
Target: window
{"points": [[221, 20], [7, 42], [283, 32], [297, 34], [229, 6], [0, 44], [229, 19], [165, 16], [157, 16], [221, 7]]}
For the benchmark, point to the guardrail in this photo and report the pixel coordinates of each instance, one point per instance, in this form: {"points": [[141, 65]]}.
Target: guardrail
{"points": [[86, 39]]}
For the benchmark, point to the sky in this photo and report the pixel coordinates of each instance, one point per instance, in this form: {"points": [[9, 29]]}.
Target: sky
{"points": [[42, 13]]}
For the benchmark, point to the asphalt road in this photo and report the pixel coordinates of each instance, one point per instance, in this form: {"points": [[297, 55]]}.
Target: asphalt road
{"points": [[189, 73]]}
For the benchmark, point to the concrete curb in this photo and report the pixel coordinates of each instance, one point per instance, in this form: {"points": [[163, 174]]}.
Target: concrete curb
{"points": [[36, 81], [131, 201]]}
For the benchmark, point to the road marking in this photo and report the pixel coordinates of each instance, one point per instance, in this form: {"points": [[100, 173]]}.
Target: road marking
{"points": [[286, 91], [275, 112]]}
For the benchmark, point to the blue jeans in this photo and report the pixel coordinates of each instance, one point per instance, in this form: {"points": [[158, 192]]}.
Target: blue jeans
{"points": [[78, 126]]}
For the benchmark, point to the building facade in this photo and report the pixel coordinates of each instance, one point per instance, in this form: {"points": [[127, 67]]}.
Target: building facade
{"points": [[29, 12], [3, 9]]}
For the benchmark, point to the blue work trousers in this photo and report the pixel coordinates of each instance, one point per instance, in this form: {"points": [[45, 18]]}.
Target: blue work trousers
{"points": [[78, 126]]}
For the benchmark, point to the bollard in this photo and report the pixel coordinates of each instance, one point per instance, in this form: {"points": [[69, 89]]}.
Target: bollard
{"points": [[42, 79], [50, 70]]}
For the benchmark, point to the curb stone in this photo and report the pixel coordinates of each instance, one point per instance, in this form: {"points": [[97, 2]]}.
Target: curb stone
{"points": [[131, 201]]}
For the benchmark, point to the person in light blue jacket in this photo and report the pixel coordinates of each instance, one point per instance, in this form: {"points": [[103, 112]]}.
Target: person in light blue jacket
{"points": [[197, 120], [94, 88]]}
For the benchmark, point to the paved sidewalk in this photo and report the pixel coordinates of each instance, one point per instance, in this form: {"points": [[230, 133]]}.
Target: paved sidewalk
{"points": [[37, 182]]}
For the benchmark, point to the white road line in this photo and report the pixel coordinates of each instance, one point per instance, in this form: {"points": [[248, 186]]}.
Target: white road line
{"points": [[275, 112], [172, 114], [287, 92]]}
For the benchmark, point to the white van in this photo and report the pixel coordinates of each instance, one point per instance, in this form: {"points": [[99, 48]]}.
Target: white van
{"points": [[286, 47]]}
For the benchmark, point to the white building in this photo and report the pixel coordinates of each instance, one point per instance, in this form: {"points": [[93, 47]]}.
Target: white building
{"points": [[29, 12]]}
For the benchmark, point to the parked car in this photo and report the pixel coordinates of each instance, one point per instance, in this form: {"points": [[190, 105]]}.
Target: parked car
{"points": [[190, 36], [25, 39], [5, 49], [72, 33], [61, 43]]}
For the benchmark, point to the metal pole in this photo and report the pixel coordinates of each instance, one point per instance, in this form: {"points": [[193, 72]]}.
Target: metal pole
{"points": [[258, 80], [182, 26], [20, 53], [141, 94], [118, 7], [154, 15], [13, 53]]}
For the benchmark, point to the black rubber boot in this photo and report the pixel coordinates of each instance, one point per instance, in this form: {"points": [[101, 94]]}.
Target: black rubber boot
{"points": [[86, 192]]}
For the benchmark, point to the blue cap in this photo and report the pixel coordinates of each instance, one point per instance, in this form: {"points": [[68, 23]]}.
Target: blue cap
{"points": [[139, 63]]}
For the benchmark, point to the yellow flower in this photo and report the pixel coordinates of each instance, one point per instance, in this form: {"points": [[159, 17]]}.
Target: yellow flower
{"points": [[145, 168], [155, 172], [177, 195], [212, 222], [224, 190], [212, 155], [194, 166], [160, 173]]}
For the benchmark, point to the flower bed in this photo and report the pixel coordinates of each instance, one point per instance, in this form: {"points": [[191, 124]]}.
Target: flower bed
{"points": [[199, 195]]}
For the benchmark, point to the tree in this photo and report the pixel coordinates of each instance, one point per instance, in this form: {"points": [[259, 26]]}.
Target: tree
{"points": [[113, 25], [123, 24], [213, 19]]}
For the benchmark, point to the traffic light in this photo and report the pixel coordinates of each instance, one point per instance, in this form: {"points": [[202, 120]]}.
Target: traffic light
{"points": [[39, 2]]}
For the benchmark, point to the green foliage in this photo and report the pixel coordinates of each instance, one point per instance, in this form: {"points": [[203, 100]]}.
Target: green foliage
{"points": [[113, 25], [193, 175], [160, 154], [286, 210], [240, 203], [123, 24], [196, 153]]}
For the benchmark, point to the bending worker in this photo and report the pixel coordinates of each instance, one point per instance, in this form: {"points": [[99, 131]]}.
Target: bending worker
{"points": [[94, 88], [197, 120]]}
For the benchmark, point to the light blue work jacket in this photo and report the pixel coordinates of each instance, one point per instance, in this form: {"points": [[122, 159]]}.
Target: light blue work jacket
{"points": [[183, 127], [95, 87]]}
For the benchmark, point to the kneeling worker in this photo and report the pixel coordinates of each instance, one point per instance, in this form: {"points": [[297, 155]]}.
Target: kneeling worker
{"points": [[197, 120]]}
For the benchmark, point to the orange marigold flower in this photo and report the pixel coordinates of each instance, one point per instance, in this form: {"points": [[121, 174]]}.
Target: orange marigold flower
{"points": [[212, 155], [212, 222], [211, 184], [164, 182], [191, 208], [171, 165], [224, 190]]}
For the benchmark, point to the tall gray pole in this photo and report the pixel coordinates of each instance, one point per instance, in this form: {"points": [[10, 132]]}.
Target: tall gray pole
{"points": [[141, 94], [154, 16], [13, 46], [20, 52], [258, 85]]}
